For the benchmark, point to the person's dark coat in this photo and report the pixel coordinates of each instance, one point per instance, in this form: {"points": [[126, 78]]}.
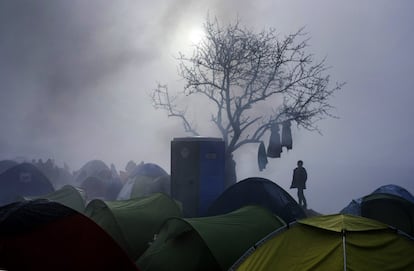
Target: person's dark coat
{"points": [[299, 178]]}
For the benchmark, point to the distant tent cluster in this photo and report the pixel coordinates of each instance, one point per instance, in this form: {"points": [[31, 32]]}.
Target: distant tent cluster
{"points": [[109, 220]]}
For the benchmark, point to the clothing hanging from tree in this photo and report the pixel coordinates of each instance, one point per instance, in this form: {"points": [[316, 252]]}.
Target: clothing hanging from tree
{"points": [[286, 135], [262, 157], [274, 149]]}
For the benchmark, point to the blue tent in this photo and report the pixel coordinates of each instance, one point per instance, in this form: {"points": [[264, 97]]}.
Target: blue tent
{"points": [[395, 190], [354, 207], [6, 164], [23, 180], [257, 191]]}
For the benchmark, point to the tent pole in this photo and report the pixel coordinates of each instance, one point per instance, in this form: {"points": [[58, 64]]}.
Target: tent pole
{"points": [[344, 248]]}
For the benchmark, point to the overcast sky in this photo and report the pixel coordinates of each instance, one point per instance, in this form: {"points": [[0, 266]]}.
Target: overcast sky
{"points": [[75, 77]]}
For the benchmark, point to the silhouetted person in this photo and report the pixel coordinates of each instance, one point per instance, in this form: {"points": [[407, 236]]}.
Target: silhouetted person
{"points": [[299, 181]]}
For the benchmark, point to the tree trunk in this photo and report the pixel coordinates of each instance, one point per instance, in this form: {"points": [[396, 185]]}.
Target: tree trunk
{"points": [[230, 171]]}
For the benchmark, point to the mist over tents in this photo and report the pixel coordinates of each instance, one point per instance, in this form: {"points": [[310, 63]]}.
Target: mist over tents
{"points": [[75, 78]]}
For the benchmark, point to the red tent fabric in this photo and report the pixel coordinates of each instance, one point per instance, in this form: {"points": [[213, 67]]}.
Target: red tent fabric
{"points": [[43, 235]]}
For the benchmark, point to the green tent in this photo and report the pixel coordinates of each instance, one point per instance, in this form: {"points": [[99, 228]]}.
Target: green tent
{"points": [[133, 223], [333, 242], [208, 243], [389, 209], [68, 195]]}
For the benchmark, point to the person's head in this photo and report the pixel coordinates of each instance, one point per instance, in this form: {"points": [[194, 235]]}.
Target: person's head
{"points": [[300, 163]]}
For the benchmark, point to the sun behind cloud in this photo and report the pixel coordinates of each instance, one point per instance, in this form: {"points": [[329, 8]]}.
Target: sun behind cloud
{"points": [[196, 34]]}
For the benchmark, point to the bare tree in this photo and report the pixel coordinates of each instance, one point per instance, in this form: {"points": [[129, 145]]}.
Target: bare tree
{"points": [[254, 80]]}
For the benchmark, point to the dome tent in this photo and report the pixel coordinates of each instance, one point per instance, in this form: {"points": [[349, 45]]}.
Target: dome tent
{"points": [[148, 169], [391, 210], [68, 195], [394, 190], [354, 207], [23, 180], [133, 223], [6, 164], [145, 179], [97, 180], [44, 235], [93, 168], [94, 187], [333, 242], [389, 204], [142, 186], [207, 243], [258, 191]]}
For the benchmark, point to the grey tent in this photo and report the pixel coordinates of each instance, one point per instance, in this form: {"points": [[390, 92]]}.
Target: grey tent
{"points": [[148, 169], [93, 168]]}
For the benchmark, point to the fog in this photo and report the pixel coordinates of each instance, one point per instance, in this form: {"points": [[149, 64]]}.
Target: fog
{"points": [[75, 78]]}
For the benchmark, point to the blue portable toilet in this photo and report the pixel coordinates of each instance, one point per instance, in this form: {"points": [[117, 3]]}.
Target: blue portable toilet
{"points": [[197, 172]]}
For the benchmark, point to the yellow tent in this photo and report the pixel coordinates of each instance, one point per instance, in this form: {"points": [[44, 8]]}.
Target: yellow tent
{"points": [[333, 242]]}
